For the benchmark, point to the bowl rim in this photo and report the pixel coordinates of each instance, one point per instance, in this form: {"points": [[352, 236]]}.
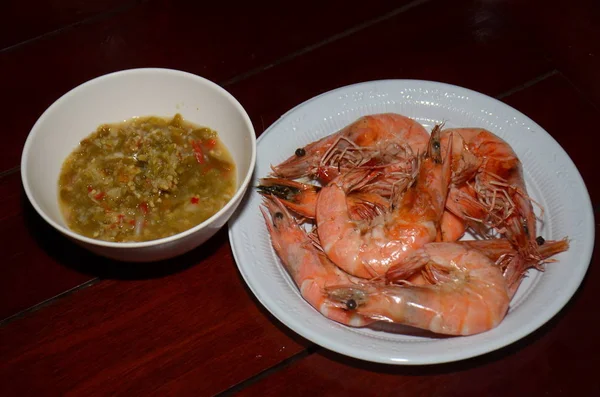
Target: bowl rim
{"points": [[242, 187]]}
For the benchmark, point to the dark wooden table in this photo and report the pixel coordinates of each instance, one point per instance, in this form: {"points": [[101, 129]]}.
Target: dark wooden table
{"points": [[76, 324]]}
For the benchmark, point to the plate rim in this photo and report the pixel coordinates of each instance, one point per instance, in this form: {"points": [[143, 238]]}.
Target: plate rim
{"points": [[494, 345]]}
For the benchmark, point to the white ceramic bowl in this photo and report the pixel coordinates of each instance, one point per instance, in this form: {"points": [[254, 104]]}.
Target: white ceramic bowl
{"points": [[117, 97]]}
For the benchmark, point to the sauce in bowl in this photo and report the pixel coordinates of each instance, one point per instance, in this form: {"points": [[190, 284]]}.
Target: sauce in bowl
{"points": [[145, 179]]}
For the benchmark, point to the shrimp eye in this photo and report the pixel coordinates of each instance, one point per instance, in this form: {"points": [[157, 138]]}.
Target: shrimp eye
{"points": [[436, 145], [278, 215], [540, 240], [300, 152], [351, 304], [525, 228]]}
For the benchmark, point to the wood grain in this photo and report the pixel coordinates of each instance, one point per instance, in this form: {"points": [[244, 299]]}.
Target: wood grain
{"points": [[23, 21], [568, 33], [188, 326], [215, 41], [472, 51], [541, 365], [38, 263]]}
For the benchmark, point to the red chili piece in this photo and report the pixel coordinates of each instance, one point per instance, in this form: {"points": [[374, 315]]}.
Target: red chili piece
{"points": [[198, 152]]}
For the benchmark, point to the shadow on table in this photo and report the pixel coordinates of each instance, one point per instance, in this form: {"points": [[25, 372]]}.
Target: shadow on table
{"points": [[71, 255], [300, 340]]}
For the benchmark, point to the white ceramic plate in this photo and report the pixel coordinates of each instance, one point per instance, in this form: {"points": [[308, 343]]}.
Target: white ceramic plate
{"points": [[551, 177]]}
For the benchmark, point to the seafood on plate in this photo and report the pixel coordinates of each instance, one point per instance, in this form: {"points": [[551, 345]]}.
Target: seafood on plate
{"points": [[301, 198], [308, 266], [494, 192], [373, 139], [464, 292], [368, 249], [389, 205]]}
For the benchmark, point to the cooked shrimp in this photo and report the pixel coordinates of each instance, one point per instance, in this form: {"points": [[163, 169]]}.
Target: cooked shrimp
{"points": [[309, 267], [504, 255], [466, 294], [369, 249], [514, 266], [496, 248], [365, 201], [301, 198], [374, 139], [499, 189], [465, 164], [452, 227]]}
